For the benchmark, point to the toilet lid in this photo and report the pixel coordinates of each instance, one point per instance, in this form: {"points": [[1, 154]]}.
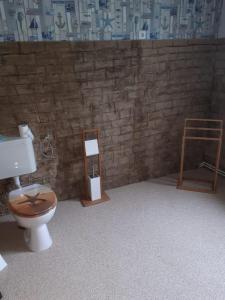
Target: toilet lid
{"points": [[32, 201]]}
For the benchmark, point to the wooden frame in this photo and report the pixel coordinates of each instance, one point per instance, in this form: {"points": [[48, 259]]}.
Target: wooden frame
{"points": [[188, 128], [85, 199]]}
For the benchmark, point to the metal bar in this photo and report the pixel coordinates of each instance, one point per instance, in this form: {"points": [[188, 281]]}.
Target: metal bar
{"points": [[211, 168]]}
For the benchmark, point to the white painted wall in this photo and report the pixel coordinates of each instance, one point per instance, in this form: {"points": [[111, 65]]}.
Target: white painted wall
{"points": [[222, 22]]}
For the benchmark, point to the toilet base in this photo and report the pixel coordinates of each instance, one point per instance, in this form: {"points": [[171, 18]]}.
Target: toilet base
{"points": [[38, 238], [3, 264]]}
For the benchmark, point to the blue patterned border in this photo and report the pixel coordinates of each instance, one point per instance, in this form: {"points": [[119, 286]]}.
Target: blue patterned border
{"points": [[37, 20]]}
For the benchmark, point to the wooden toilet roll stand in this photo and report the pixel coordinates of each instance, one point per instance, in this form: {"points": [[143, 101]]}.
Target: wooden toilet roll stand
{"points": [[85, 199], [217, 129]]}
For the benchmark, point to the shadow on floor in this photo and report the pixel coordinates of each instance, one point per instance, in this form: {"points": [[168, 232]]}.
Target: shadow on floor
{"points": [[171, 181], [11, 238]]}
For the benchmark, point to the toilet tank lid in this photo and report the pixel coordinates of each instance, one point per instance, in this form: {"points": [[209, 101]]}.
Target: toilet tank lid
{"points": [[4, 138]]}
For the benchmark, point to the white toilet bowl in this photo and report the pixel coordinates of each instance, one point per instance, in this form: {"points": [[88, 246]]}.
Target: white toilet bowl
{"points": [[33, 207]]}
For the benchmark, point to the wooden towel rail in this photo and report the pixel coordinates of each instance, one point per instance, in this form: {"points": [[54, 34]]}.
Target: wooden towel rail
{"points": [[217, 128]]}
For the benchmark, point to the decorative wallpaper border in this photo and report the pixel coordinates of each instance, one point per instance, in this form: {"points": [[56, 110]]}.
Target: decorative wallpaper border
{"points": [[37, 20]]}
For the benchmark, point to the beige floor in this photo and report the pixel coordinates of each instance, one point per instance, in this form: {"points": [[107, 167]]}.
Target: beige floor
{"points": [[151, 241]]}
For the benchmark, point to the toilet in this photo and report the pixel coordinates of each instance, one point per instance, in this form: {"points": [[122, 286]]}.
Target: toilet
{"points": [[33, 207]]}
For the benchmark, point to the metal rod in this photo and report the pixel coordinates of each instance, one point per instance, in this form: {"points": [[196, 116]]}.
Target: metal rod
{"points": [[212, 168]]}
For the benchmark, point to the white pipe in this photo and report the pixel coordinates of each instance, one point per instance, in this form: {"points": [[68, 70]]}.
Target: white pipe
{"points": [[212, 168], [17, 181], [25, 131], [3, 264]]}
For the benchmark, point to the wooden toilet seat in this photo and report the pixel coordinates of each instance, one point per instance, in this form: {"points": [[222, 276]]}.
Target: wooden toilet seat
{"points": [[33, 203]]}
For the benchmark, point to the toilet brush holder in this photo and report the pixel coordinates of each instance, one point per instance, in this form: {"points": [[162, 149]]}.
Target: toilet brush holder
{"points": [[94, 187], [93, 193]]}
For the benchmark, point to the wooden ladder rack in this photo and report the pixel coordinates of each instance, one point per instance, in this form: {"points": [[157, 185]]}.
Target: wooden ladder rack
{"points": [[187, 135]]}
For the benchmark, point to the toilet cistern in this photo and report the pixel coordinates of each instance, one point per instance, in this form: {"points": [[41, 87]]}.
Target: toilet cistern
{"points": [[25, 132], [16, 158]]}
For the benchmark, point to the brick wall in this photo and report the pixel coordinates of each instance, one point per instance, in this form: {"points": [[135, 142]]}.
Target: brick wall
{"points": [[137, 92], [218, 96]]}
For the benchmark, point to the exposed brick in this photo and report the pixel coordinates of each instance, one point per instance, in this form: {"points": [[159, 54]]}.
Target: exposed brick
{"points": [[137, 92], [218, 98], [29, 47], [162, 43], [7, 70], [9, 48], [19, 59], [87, 66], [83, 46], [101, 64], [105, 45]]}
